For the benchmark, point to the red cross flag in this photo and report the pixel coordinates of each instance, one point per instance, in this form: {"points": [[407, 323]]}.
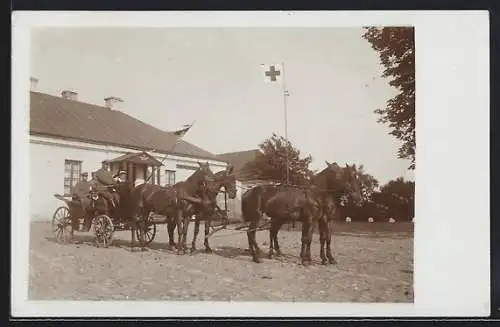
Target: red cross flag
{"points": [[273, 73]]}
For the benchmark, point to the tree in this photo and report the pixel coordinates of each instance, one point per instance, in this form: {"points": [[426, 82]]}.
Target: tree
{"points": [[368, 186], [271, 165], [396, 48], [397, 197]]}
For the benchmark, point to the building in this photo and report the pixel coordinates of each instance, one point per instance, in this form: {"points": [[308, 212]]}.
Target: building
{"points": [[68, 137]]}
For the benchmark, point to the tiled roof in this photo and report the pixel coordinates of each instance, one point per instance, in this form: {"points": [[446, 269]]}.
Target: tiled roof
{"points": [[239, 160], [59, 117]]}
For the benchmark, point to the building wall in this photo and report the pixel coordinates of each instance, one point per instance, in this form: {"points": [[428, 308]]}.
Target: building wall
{"points": [[47, 156]]}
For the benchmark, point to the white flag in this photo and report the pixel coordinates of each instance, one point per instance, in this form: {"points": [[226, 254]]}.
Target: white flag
{"points": [[272, 73]]}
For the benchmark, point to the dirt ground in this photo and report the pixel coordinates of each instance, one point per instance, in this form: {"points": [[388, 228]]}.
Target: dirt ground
{"points": [[375, 264]]}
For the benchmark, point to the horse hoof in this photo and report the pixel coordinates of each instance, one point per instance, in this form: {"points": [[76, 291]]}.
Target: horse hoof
{"points": [[208, 250], [324, 262], [257, 260], [279, 254], [193, 249], [332, 261], [305, 263]]}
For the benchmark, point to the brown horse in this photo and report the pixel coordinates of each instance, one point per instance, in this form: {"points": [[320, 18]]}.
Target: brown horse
{"points": [[345, 183], [282, 204], [173, 201], [253, 204], [222, 179]]}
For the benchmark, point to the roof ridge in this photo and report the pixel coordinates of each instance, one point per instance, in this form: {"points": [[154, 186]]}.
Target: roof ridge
{"points": [[238, 152], [70, 119]]}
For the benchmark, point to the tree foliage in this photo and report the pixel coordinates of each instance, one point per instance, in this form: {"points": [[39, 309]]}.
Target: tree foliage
{"points": [[271, 165], [395, 199], [396, 48], [368, 183]]}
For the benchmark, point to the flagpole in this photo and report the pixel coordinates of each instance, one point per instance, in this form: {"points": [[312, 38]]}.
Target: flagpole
{"points": [[285, 116]]}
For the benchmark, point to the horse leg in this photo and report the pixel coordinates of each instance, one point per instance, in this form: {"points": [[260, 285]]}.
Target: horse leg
{"points": [[207, 222], [310, 232], [252, 243], [277, 228], [253, 233], [322, 239], [258, 251], [271, 238], [132, 233], [331, 259], [185, 227], [180, 231], [171, 229], [195, 234], [251, 248], [303, 252]]}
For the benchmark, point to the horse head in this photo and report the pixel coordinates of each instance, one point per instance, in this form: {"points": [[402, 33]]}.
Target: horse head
{"points": [[352, 183], [204, 174], [201, 179], [342, 180], [226, 179]]}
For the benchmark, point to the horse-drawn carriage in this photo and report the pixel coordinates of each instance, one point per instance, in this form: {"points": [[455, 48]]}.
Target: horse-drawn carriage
{"points": [[101, 205], [107, 206]]}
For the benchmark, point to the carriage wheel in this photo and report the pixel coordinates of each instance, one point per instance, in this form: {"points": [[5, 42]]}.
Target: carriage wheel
{"points": [[61, 224], [103, 230], [146, 232]]}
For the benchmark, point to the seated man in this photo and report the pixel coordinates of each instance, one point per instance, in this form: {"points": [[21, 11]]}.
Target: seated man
{"points": [[81, 194], [102, 182]]}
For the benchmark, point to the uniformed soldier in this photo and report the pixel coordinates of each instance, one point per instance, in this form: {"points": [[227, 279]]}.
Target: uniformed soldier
{"points": [[84, 177]]}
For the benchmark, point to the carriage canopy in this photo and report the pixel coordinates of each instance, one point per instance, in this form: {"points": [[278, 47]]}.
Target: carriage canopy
{"points": [[139, 166]]}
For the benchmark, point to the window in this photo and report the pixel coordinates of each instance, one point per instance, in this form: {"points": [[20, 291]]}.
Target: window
{"points": [[72, 171], [170, 177]]}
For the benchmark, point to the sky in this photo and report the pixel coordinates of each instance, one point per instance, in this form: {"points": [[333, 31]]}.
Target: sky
{"points": [[169, 77]]}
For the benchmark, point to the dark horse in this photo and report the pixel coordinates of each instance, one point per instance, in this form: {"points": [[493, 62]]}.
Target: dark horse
{"points": [[316, 203], [222, 179], [173, 201]]}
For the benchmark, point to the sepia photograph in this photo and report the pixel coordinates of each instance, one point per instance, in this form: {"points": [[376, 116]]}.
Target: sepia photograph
{"points": [[231, 158], [236, 164]]}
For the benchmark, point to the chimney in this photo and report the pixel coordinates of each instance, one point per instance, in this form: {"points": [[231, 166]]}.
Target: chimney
{"points": [[111, 102], [69, 95], [33, 83]]}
